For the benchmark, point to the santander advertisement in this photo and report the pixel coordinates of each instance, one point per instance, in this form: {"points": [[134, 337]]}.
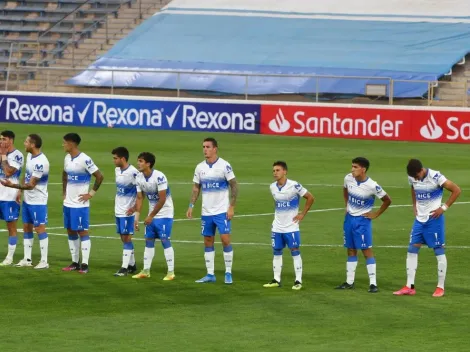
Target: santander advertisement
{"points": [[367, 123]]}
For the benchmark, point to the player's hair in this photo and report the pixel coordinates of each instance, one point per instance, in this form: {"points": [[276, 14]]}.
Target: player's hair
{"points": [[212, 140], [362, 162], [72, 137], [147, 157], [8, 134], [121, 152], [280, 163], [36, 140], [414, 167]]}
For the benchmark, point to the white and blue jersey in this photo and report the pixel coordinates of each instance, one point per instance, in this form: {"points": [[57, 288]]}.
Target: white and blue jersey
{"points": [[214, 180], [9, 208], [361, 197], [79, 170], [162, 223], [285, 232], [126, 196], [35, 200], [428, 194]]}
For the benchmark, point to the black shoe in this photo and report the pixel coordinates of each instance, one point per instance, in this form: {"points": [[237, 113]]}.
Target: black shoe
{"points": [[72, 267], [345, 286], [373, 289], [121, 272], [132, 269], [83, 269], [272, 283]]}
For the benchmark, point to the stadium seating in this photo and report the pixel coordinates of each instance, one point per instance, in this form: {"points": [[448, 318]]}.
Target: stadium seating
{"points": [[421, 41], [36, 32]]}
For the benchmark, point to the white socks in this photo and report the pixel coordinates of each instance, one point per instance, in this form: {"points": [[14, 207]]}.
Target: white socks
{"points": [[411, 267], [277, 267], [170, 258]]}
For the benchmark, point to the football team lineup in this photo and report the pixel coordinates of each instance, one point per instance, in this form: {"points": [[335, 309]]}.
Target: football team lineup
{"points": [[215, 179]]}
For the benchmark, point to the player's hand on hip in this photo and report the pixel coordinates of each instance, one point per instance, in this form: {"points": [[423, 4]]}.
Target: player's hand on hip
{"points": [[437, 213], [230, 213], [298, 218], [189, 213], [84, 197], [371, 215], [148, 220]]}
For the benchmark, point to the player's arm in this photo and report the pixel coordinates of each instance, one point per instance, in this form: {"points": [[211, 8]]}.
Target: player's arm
{"points": [[138, 208], [413, 198], [308, 204], [157, 207], [194, 196], [98, 181], [345, 196], [233, 197], [23, 186], [386, 201], [6, 168], [64, 183], [454, 194]]}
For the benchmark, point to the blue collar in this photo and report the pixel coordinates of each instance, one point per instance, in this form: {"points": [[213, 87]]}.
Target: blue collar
{"points": [[32, 157], [280, 188], [425, 175], [147, 178], [360, 182], [76, 156], [122, 170], [210, 165]]}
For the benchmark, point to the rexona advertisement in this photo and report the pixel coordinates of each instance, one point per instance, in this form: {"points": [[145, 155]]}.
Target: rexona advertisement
{"points": [[411, 124], [130, 113]]}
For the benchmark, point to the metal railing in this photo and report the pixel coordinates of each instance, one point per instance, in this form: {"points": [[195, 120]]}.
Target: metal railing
{"points": [[49, 79]]}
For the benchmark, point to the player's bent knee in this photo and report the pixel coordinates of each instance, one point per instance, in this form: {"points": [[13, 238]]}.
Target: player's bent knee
{"points": [[150, 243], [295, 252], [413, 249], [166, 244], [439, 251], [277, 251]]}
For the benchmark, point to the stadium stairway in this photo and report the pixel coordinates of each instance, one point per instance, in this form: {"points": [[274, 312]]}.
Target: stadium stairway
{"points": [[116, 25], [455, 90]]}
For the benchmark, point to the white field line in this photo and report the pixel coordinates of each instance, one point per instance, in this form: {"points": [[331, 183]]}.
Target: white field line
{"points": [[249, 243]]}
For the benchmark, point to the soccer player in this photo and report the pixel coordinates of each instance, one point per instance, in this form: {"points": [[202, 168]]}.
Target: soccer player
{"points": [[34, 211], [427, 188], [159, 221], [285, 228], [359, 194], [126, 195], [12, 161], [215, 176], [78, 168]]}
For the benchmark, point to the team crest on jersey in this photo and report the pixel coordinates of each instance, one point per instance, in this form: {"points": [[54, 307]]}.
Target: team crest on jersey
{"points": [[229, 168], [436, 176], [18, 158], [89, 162], [160, 180], [38, 167], [378, 188], [298, 186]]}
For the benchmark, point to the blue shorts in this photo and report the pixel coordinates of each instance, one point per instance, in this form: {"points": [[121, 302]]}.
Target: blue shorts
{"points": [[159, 228], [77, 219], [209, 223], [431, 232], [34, 214], [357, 232], [125, 225], [289, 239], [9, 210]]}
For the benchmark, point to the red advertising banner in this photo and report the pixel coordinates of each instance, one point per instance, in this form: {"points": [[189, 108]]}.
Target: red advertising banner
{"points": [[426, 125]]}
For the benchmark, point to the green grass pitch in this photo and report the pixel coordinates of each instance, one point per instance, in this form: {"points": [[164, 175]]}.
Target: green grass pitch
{"points": [[56, 311]]}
